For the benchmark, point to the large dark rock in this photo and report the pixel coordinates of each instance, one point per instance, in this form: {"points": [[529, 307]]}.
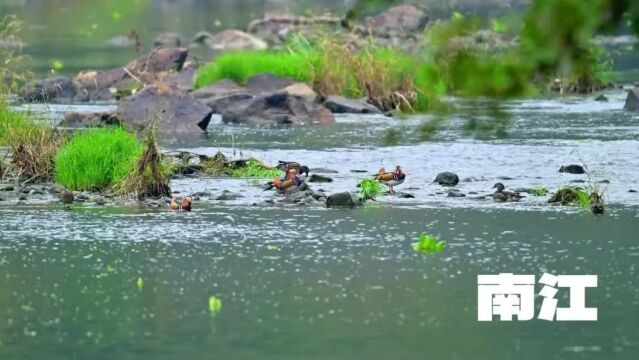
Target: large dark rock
{"points": [[45, 90], [176, 111], [343, 200], [225, 103], [572, 169], [447, 179], [219, 88], [315, 178], [632, 100], [398, 21], [342, 105], [278, 108], [98, 85], [266, 83]]}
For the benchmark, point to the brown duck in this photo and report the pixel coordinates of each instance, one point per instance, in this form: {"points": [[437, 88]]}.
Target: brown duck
{"points": [[392, 178], [290, 181], [292, 165], [505, 196]]}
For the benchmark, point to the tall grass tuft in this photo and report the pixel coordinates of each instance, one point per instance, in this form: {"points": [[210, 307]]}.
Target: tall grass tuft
{"points": [[32, 144], [12, 61], [97, 159], [370, 189], [147, 178]]}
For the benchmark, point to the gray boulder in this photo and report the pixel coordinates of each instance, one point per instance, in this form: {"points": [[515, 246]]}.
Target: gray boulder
{"points": [[45, 90], [342, 105], [278, 108], [164, 59], [447, 179], [632, 100], [97, 85], [398, 21], [225, 103], [230, 40], [83, 119], [176, 111], [572, 169], [343, 200]]}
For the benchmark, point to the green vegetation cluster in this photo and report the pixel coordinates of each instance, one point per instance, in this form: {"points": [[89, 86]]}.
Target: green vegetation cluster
{"points": [[370, 189], [429, 244], [97, 159]]}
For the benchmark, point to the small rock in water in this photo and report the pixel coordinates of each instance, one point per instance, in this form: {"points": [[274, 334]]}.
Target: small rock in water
{"points": [[456, 194], [403, 195], [504, 178], [603, 182], [228, 196], [632, 191], [578, 181], [319, 179], [572, 169], [35, 192], [632, 101], [447, 179], [22, 197], [100, 201], [324, 171], [601, 98], [359, 171]]}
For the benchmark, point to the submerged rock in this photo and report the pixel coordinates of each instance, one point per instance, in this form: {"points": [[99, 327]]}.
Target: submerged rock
{"points": [[447, 179], [342, 105], [632, 100], [278, 108], [343, 199], [319, 179], [455, 193], [601, 98], [228, 196], [176, 111], [81, 119], [399, 21], [45, 90], [572, 169]]}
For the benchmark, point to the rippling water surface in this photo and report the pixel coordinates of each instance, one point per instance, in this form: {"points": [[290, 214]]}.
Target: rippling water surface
{"points": [[308, 282]]}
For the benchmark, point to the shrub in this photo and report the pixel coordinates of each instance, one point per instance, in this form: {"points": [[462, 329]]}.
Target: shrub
{"points": [[97, 159], [369, 189], [32, 144]]}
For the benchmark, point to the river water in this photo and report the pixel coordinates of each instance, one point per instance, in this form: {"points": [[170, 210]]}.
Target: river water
{"points": [[314, 283]]}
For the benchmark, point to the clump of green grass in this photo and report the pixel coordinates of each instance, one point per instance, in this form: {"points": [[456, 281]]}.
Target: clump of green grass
{"points": [[429, 244], [97, 159], [255, 169], [32, 144], [242, 66], [370, 189], [583, 198], [215, 305]]}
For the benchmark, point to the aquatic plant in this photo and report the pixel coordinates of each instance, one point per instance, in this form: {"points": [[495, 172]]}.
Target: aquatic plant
{"points": [[587, 199], [32, 143], [370, 189], [97, 159], [140, 283], [429, 244], [149, 177], [583, 198], [254, 168], [541, 191], [215, 305]]}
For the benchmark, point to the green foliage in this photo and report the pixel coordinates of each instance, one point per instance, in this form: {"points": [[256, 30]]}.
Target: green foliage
{"points": [[97, 159], [429, 244], [215, 305], [255, 169], [542, 191], [584, 198], [242, 66], [140, 283], [370, 189]]}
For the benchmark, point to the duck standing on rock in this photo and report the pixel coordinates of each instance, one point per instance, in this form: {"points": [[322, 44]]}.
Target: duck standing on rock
{"points": [[185, 205], [505, 196], [391, 179]]}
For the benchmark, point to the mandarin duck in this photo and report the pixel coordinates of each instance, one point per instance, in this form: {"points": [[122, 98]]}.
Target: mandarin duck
{"points": [[292, 165], [505, 196], [290, 181], [391, 179], [185, 205]]}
